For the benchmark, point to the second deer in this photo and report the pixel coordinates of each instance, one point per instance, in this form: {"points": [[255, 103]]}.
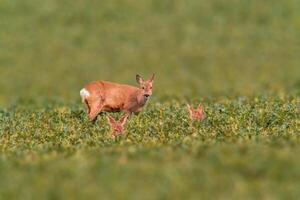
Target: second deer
{"points": [[197, 113], [117, 127]]}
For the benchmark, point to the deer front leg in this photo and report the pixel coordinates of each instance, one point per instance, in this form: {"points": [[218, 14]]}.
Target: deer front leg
{"points": [[136, 112]]}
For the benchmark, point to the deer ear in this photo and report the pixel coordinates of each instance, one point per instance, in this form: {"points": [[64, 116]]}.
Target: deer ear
{"points": [[189, 108], [123, 119], [110, 120], [139, 79], [152, 77], [200, 108]]}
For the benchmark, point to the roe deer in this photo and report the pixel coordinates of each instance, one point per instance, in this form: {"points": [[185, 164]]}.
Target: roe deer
{"points": [[113, 97], [195, 114], [117, 126]]}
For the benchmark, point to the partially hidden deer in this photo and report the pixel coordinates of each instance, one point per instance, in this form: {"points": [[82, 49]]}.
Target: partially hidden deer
{"points": [[197, 113], [101, 96], [117, 127]]}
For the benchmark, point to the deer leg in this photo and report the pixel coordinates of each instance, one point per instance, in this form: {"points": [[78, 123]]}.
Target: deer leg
{"points": [[94, 111], [87, 106], [138, 111]]}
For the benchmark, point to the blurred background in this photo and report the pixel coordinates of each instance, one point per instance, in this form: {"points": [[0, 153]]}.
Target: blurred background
{"points": [[49, 49]]}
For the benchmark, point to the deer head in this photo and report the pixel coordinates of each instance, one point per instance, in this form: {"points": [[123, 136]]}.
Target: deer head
{"points": [[117, 127], [145, 86], [195, 114]]}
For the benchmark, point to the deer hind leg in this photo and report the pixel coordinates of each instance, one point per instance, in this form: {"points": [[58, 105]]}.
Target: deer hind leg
{"points": [[95, 109], [87, 106]]}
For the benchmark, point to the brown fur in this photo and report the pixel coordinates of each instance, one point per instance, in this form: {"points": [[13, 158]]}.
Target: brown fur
{"points": [[117, 127], [196, 114]]}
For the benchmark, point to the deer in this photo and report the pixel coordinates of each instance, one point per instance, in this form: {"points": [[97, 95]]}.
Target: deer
{"points": [[107, 96], [117, 127], [197, 113]]}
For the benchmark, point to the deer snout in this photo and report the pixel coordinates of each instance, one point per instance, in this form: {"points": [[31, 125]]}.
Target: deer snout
{"points": [[146, 95]]}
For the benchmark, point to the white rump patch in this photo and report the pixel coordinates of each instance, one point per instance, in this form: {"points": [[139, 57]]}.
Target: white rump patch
{"points": [[84, 94]]}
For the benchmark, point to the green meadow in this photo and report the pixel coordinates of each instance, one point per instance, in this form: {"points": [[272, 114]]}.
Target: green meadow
{"points": [[238, 58]]}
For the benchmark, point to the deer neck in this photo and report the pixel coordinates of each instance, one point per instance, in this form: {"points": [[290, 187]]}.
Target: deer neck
{"points": [[141, 100]]}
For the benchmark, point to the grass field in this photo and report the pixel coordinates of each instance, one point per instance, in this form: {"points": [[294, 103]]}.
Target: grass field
{"points": [[240, 59]]}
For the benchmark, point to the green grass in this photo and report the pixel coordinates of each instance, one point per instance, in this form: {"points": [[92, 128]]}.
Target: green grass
{"points": [[238, 58], [245, 148]]}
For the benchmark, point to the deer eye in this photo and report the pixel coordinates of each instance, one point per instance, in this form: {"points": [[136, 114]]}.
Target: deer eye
{"points": [[143, 88]]}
